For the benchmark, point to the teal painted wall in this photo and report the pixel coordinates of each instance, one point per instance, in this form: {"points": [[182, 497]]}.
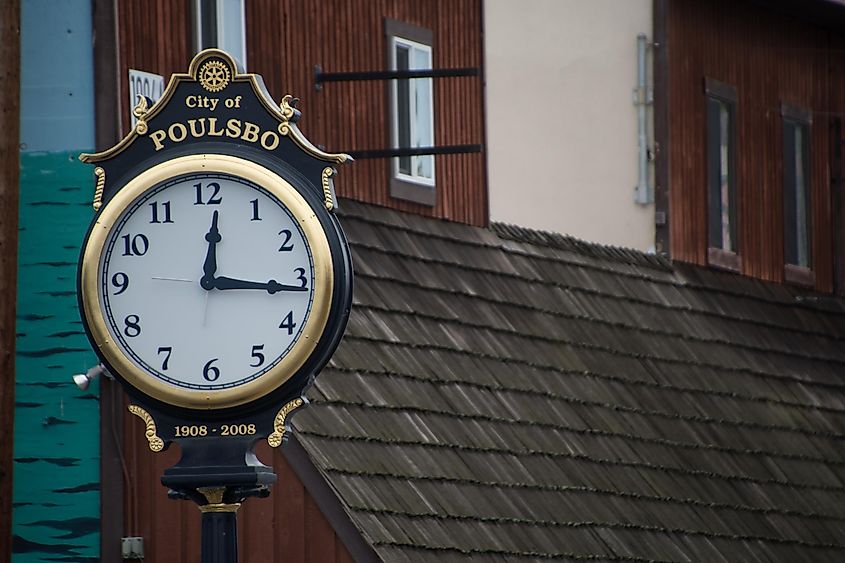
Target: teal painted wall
{"points": [[56, 472], [56, 510]]}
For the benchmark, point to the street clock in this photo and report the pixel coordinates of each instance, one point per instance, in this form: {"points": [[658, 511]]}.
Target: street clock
{"points": [[215, 281]]}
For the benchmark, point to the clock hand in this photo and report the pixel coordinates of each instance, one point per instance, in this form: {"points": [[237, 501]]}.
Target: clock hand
{"points": [[271, 287], [209, 267]]}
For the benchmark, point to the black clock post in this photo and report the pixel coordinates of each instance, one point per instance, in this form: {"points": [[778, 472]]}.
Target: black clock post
{"points": [[209, 175]]}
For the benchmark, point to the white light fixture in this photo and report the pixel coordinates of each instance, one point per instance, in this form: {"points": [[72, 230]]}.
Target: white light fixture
{"points": [[83, 380]]}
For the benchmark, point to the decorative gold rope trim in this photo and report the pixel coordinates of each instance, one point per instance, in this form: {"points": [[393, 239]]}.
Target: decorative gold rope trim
{"points": [[327, 192], [98, 191]]}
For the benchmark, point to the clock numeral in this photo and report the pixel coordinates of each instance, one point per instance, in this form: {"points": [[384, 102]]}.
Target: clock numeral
{"points": [[301, 277], [135, 246], [165, 207], [121, 281], [285, 246], [215, 199], [256, 353], [288, 323], [210, 372], [167, 351], [255, 216], [132, 328]]}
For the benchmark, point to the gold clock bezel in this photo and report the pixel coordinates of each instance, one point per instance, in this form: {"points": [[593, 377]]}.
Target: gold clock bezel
{"points": [[314, 325]]}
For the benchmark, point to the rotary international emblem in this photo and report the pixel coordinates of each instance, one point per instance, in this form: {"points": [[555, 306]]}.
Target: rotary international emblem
{"points": [[214, 76]]}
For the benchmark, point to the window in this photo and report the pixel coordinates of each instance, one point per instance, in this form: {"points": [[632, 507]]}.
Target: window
{"points": [[411, 112], [797, 214], [722, 203], [221, 24]]}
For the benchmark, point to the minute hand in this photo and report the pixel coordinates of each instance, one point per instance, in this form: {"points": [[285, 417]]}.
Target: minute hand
{"points": [[271, 287]]}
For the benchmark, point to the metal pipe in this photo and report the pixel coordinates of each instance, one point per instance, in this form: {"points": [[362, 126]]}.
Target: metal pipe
{"points": [[415, 151], [320, 76], [644, 194]]}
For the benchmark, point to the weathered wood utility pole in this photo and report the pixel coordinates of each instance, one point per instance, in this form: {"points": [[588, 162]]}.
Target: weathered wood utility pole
{"points": [[10, 55]]}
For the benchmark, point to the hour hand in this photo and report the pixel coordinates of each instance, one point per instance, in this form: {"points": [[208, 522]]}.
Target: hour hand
{"points": [[271, 287], [209, 267]]}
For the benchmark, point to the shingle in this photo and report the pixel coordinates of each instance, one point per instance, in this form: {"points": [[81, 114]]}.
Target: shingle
{"points": [[505, 394]]}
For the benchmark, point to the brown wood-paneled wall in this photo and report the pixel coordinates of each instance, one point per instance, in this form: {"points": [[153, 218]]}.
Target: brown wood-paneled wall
{"points": [[770, 59], [286, 39], [153, 36], [287, 526]]}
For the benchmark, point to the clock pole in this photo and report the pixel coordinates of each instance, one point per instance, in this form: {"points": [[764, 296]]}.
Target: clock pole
{"points": [[219, 533], [219, 543], [219, 537]]}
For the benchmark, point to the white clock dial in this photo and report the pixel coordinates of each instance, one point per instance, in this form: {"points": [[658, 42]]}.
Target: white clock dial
{"points": [[206, 281], [258, 268]]}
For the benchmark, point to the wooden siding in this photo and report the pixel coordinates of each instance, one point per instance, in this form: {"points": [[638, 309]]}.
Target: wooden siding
{"points": [[770, 59], [10, 68], [287, 39], [152, 36], [287, 526]]}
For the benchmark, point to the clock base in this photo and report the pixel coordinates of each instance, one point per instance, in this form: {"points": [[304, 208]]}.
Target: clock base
{"points": [[234, 467], [218, 480]]}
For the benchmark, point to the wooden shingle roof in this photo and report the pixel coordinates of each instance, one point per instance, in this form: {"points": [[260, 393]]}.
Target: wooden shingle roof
{"points": [[510, 395]]}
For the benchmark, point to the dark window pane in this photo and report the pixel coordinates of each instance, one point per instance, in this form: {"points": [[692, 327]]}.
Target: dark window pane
{"points": [[208, 23], [403, 108], [803, 209], [726, 175], [713, 175], [796, 196], [721, 180]]}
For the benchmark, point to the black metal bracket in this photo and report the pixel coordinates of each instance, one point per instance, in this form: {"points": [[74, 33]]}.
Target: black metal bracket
{"points": [[321, 77], [417, 151]]}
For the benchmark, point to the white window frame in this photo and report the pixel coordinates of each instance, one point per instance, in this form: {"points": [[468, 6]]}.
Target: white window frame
{"points": [[396, 41], [409, 187], [231, 35]]}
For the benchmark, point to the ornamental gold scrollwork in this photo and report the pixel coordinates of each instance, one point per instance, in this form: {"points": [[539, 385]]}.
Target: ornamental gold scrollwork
{"points": [[287, 108], [287, 113], [139, 111], [156, 443], [277, 437], [327, 191], [98, 191], [141, 107]]}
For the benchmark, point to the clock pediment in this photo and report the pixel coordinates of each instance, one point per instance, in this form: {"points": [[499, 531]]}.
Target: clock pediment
{"points": [[215, 108]]}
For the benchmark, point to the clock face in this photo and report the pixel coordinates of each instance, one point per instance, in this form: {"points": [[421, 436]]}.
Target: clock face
{"points": [[211, 284]]}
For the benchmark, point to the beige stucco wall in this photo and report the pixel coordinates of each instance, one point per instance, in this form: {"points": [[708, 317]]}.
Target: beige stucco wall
{"points": [[561, 123]]}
